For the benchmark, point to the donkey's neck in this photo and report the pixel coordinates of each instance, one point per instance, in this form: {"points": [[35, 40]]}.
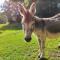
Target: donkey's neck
{"points": [[39, 23]]}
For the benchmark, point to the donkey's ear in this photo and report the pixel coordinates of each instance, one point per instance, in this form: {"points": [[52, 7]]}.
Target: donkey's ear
{"points": [[33, 8], [21, 9]]}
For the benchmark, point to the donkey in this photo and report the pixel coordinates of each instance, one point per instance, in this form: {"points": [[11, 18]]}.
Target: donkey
{"points": [[42, 27]]}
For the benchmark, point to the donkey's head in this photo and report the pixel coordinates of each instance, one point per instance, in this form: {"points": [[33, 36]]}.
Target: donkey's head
{"points": [[27, 20]]}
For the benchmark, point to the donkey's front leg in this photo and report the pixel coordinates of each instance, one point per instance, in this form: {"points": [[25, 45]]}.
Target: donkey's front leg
{"points": [[42, 48]]}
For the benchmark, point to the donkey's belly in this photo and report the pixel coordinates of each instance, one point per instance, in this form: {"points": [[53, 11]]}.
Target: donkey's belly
{"points": [[47, 34], [52, 35], [53, 29]]}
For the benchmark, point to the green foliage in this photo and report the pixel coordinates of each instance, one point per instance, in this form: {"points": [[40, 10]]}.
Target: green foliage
{"points": [[3, 16], [26, 2]]}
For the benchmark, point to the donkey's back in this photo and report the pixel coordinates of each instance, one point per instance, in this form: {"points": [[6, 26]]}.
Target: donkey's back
{"points": [[50, 26], [53, 29]]}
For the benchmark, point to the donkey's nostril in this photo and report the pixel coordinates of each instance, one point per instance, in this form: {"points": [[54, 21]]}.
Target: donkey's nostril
{"points": [[28, 39]]}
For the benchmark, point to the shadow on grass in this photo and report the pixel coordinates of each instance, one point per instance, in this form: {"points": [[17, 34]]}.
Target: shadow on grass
{"points": [[15, 26], [0, 32]]}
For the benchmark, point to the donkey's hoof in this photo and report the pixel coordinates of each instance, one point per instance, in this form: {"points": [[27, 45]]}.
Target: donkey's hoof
{"points": [[59, 46], [43, 59], [38, 56]]}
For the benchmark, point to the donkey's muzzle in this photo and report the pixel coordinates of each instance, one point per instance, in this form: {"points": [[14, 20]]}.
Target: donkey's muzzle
{"points": [[28, 39]]}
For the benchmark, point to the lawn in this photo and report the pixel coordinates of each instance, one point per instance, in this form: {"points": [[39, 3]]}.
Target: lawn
{"points": [[14, 47]]}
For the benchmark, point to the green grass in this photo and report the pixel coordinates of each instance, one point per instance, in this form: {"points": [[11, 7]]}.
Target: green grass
{"points": [[14, 47]]}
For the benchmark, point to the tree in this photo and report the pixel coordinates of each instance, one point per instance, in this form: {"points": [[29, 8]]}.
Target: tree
{"points": [[47, 8], [28, 2], [3, 18], [11, 11]]}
